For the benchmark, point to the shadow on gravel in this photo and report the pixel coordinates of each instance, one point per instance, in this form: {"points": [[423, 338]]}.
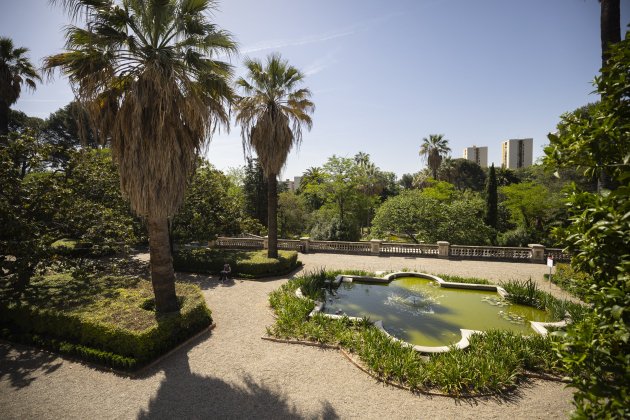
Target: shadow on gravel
{"points": [[184, 394], [25, 365]]}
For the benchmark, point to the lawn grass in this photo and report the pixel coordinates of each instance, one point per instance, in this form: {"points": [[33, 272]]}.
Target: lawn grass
{"points": [[246, 264], [494, 363], [105, 319]]}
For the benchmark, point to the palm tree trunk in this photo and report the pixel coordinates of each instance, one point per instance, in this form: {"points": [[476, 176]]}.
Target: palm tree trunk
{"points": [[610, 26], [4, 121], [162, 273], [272, 221]]}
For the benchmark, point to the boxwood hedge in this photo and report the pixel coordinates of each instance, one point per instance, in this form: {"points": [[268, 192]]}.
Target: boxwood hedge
{"points": [[108, 320], [248, 264]]}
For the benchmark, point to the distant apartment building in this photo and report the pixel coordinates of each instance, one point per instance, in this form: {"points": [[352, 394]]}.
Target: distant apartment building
{"points": [[293, 185], [517, 153], [479, 155]]}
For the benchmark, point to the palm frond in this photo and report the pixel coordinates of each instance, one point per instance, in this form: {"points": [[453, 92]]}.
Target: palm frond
{"points": [[143, 71]]}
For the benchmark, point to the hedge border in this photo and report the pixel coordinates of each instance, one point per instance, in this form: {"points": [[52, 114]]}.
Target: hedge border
{"points": [[104, 343], [287, 262]]}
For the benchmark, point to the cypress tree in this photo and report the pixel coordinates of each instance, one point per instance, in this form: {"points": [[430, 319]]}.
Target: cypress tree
{"points": [[491, 199]]}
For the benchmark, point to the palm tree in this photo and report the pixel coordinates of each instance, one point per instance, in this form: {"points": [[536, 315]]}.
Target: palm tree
{"points": [[146, 74], [362, 159], [433, 149], [15, 70], [271, 116]]}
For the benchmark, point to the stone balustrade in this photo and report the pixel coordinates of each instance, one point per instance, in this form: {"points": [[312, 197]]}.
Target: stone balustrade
{"points": [[533, 253]]}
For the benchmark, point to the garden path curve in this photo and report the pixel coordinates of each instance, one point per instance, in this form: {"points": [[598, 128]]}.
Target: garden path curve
{"points": [[233, 373]]}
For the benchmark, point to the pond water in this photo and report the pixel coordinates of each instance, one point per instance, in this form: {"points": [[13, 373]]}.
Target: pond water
{"points": [[421, 312]]}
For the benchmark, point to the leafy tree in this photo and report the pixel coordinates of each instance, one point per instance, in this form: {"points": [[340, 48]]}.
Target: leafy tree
{"points": [[532, 207], [467, 175], [25, 236], [208, 209], [26, 152], [329, 227], [89, 205], [63, 130], [406, 181], [19, 122], [340, 189], [462, 222], [439, 190], [411, 213], [309, 189], [255, 192], [596, 350], [271, 115], [292, 217], [433, 149], [492, 199], [389, 184], [16, 70], [374, 185], [506, 177], [422, 216], [147, 80], [555, 179]]}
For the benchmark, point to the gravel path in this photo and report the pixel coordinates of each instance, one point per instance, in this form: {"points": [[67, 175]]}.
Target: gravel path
{"points": [[232, 373]]}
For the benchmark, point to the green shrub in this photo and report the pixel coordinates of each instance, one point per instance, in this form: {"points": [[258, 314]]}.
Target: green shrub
{"points": [[572, 281], [528, 293], [249, 264], [103, 320]]}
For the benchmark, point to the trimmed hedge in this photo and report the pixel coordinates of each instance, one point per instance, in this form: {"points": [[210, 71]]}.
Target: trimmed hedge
{"points": [[75, 248], [106, 322], [247, 264]]}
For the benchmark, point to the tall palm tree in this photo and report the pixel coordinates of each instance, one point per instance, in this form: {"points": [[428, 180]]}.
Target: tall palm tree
{"points": [[433, 149], [146, 74], [15, 70], [271, 116]]}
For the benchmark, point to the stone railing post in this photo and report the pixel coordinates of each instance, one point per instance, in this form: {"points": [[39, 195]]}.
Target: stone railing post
{"points": [[538, 252], [266, 242], [443, 249], [305, 244], [212, 243], [375, 246]]}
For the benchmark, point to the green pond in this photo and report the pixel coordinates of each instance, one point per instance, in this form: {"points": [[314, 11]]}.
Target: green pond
{"points": [[421, 312]]}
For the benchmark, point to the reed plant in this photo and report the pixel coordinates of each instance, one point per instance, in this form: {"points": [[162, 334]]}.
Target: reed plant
{"points": [[528, 293]]}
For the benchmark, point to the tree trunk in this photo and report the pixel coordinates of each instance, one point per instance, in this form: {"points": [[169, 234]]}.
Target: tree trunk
{"points": [[610, 26], [272, 221], [162, 273], [4, 121]]}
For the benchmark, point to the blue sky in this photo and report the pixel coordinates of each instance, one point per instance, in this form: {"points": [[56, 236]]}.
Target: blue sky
{"points": [[385, 74]]}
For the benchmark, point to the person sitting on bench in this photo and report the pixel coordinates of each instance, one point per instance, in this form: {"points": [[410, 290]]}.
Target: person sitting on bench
{"points": [[225, 272]]}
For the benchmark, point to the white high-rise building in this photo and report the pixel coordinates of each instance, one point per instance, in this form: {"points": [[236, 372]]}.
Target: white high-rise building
{"points": [[517, 153], [479, 155]]}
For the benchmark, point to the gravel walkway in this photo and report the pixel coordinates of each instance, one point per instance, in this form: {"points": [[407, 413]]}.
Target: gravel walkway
{"points": [[232, 373]]}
